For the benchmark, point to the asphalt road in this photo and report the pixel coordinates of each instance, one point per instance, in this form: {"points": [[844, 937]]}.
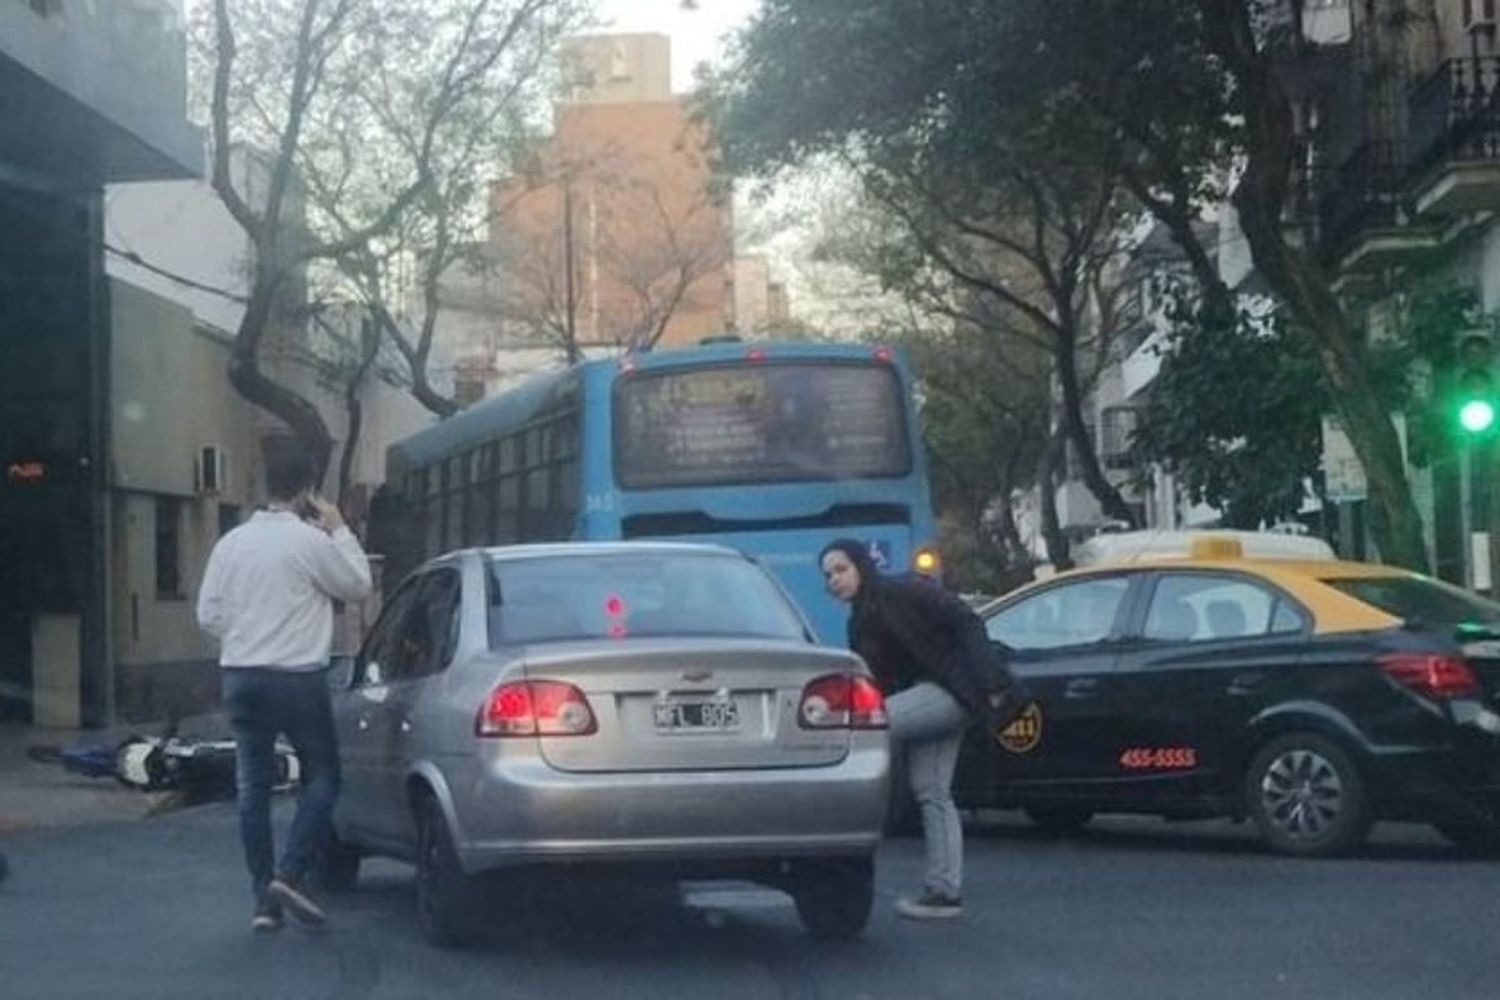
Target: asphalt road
{"points": [[1130, 909]]}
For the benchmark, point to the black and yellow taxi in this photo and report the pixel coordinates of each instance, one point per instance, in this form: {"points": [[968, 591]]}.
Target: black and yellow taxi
{"points": [[1311, 695]]}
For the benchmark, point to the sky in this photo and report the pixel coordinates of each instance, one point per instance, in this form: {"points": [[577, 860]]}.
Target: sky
{"points": [[697, 35]]}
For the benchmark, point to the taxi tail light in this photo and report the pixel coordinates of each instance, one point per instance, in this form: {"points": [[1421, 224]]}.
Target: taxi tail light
{"points": [[1432, 675], [842, 701], [536, 708]]}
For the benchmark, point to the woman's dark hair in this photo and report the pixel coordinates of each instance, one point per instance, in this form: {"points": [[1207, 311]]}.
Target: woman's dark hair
{"points": [[856, 552]]}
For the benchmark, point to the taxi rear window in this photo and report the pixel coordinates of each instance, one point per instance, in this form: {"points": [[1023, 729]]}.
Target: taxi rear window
{"points": [[1419, 599]]}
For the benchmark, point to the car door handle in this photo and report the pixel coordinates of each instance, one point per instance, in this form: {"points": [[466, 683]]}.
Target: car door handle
{"points": [[1247, 683], [1081, 687]]}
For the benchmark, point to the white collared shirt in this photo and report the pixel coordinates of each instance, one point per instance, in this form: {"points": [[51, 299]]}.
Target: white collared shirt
{"points": [[269, 589]]}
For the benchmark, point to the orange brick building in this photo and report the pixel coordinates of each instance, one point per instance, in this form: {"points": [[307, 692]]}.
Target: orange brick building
{"points": [[617, 232]]}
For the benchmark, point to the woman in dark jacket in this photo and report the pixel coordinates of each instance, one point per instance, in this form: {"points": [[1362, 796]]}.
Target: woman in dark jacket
{"points": [[932, 659]]}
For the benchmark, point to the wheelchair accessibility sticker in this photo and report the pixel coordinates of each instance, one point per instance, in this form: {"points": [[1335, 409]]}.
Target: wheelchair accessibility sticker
{"points": [[1024, 732]]}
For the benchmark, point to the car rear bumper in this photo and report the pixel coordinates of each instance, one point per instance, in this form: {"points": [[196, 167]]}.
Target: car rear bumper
{"points": [[514, 809], [1429, 785]]}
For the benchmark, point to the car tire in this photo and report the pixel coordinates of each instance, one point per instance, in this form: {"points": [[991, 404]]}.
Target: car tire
{"points": [[338, 866], [445, 894], [1307, 797], [834, 896], [1474, 837], [1059, 820]]}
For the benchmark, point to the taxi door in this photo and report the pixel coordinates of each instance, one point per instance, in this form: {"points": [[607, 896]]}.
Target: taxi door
{"points": [[1213, 649], [1062, 642]]}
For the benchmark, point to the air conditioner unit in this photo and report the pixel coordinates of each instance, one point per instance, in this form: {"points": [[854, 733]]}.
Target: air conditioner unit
{"points": [[212, 471], [1480, 16]]}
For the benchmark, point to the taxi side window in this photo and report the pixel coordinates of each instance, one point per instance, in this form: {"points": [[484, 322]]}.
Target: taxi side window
{"points": [[1070, 614], [1203, 606]]}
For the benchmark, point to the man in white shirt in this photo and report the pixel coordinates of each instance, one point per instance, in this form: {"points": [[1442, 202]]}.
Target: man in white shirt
{"points": [[268, 596]]}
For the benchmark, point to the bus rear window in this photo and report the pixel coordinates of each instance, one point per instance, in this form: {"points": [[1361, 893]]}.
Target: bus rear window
{"points": [[759, 423]]}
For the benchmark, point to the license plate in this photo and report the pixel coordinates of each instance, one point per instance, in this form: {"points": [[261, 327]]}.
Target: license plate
{"points": [[687, 714]]}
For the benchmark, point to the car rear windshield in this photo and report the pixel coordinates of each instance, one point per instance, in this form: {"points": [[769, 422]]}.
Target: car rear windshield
{"points": [[1419, 599], [760, 423], [635, 595]]}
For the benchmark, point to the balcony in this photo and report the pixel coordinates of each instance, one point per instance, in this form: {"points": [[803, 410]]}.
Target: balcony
{"points": [[1363, 213], [1455, 128]]}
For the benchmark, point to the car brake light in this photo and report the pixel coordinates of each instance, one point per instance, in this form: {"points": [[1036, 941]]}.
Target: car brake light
{"points": [[842, 701], [536, 708], [1431, 675]]}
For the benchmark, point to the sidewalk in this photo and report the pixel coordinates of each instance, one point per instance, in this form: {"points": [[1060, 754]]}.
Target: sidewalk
{"points": [[34, 794]]}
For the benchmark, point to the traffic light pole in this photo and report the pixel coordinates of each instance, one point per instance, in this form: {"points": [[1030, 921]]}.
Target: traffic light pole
{"points": [[1491, 456]]}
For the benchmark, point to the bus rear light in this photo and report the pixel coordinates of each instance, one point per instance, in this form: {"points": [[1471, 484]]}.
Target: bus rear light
{"points": [[926, 561], [627, 365], [536, 708], [755, 354], [1432, 676], [842, 701], [884, 355]]}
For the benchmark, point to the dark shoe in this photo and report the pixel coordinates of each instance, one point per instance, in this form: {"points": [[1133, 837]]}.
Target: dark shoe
{"points": [[293, 895], [267, 918], [930, 906]]}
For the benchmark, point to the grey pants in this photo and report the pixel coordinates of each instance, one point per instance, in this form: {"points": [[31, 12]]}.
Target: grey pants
{"points": [[930, 724]]}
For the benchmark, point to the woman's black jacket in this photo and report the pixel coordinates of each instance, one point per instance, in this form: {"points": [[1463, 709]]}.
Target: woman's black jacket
{"points": [[909, 629]]}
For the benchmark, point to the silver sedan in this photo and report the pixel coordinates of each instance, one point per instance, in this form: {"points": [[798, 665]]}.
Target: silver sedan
{"points": [[655, 706]]}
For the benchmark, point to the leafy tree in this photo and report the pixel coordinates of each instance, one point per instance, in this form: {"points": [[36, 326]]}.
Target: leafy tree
{"points": [[1245, 451], [978, 221], [357, 110], [1187, 102]]}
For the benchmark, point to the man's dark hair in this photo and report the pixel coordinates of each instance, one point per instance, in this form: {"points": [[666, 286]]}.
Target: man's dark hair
{"points": [[289, 470]]}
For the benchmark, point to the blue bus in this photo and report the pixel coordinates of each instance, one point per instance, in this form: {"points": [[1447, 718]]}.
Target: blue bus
{"points": [[773, 449]]}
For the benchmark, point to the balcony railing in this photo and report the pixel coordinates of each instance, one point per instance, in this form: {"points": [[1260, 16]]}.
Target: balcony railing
{"points": [[1455, 114], [1366, 191]]}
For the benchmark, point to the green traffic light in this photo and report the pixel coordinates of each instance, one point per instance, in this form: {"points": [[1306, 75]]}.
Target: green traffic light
{"points": [[1477, 415]]}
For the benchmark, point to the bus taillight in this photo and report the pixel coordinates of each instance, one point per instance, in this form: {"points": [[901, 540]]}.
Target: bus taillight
{"points": [[926, 561], [884, 355], [755, 354]]}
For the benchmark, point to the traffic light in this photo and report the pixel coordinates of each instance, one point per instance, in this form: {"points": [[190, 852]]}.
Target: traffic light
{"points": [[1476, 383]]}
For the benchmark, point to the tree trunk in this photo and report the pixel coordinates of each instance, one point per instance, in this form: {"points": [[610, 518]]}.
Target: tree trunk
{"points": [[369, 344], [300, 416], [1298, 280], [1052, 535], [1098, 484]]}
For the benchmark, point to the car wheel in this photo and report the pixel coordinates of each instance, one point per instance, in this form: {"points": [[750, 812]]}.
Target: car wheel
{"points": [[834, 896], [338, 866], [444, 892], [1059, 820], [1472, 836], [1307, 797]]}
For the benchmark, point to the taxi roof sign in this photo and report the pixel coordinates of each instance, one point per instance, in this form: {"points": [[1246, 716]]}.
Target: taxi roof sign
{"points": [[1130, 546]]}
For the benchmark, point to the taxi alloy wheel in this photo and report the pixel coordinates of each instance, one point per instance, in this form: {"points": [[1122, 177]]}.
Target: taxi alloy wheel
{"points": [[834, 896], [444, 892], [1307, 797]]}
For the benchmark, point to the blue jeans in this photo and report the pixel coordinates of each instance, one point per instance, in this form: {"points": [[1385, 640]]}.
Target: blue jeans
{"points": [[262, 703], [930, 724]]}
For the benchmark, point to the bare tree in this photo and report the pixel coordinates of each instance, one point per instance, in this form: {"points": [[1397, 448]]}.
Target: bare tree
{"points": [[354, 101]]}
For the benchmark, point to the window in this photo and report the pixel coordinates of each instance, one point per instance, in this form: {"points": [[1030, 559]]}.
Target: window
{"points": [[168, 547], [428, 636], [1205, 606], [380, 655], [1420, 599], [1070, 614], [762, 424], [635, 595]]}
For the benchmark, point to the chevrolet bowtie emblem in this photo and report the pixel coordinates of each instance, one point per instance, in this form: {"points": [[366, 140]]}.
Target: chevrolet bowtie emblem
{"points": [[697, 675]]}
